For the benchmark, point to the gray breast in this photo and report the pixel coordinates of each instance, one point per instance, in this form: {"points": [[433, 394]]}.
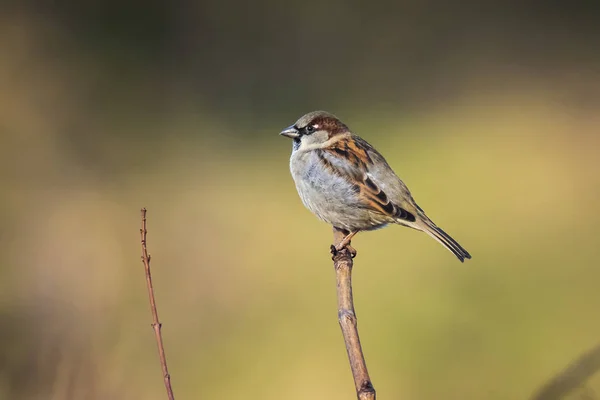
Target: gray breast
{"points": [[330, 197]]}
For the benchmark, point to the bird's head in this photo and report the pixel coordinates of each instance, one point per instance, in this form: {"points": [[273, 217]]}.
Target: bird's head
{"points": [[314, 129]]}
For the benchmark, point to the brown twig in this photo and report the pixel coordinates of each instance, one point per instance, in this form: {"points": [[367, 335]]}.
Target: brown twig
{"points": [[575, 375], [156, 325], [342, 262]]}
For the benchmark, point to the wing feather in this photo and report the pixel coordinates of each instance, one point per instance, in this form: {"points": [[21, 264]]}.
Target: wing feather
{"points": [[352, 159]]}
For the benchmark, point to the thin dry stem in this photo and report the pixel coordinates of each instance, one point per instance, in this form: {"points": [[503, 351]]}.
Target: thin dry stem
{"points": [[156, 325], [572, 377], [343, 263]]}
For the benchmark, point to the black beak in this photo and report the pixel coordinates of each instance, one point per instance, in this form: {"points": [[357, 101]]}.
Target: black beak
{"points": [[291, 132]]}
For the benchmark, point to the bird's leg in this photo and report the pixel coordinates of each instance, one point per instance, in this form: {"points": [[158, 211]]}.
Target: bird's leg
{"points": [[346, 241], [344, 238]]}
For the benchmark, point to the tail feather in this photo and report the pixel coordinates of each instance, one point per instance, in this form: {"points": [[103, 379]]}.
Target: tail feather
{"points": [[446, 240]]}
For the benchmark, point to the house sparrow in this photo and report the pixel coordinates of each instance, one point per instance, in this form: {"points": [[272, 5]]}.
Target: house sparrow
{"points": [[345, 182]]}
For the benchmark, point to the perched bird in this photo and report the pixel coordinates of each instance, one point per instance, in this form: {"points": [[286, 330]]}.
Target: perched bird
{"points": [[345, 182]]}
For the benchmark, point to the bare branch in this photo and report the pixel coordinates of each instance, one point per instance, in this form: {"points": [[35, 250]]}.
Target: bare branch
{"points": [[156, 325], [343, 263], [573, 376]]}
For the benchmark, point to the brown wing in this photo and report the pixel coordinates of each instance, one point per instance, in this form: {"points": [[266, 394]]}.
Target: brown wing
{"points": [[350, 159]]}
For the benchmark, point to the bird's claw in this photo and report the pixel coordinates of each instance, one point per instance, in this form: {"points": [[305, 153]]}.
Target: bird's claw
{"points": [[351, 250]]}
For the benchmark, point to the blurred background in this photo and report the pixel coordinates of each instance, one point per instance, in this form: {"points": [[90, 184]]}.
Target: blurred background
{"points": [[488, 110]]}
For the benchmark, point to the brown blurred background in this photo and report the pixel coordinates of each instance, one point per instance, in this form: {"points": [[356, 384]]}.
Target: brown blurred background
{"points": [[488, 110]]}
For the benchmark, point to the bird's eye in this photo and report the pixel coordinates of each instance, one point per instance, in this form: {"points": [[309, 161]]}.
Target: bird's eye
{"points": [[310, 129]]}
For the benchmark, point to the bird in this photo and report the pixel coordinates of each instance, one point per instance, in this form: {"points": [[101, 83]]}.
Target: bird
{"points": [[347, 183]]}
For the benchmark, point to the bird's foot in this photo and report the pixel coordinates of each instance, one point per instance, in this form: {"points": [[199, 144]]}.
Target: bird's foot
{"points": [[336, 249], [344, 243], [351, 250]]}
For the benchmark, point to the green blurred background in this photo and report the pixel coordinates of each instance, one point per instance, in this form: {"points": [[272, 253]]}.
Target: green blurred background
{"points": [[488, 110]]}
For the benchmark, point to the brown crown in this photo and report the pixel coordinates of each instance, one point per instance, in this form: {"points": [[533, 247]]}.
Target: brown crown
{"points": [[330, 124]]}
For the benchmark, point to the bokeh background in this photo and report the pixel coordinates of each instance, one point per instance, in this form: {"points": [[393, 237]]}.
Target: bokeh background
{"points": [[488, 110]]}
